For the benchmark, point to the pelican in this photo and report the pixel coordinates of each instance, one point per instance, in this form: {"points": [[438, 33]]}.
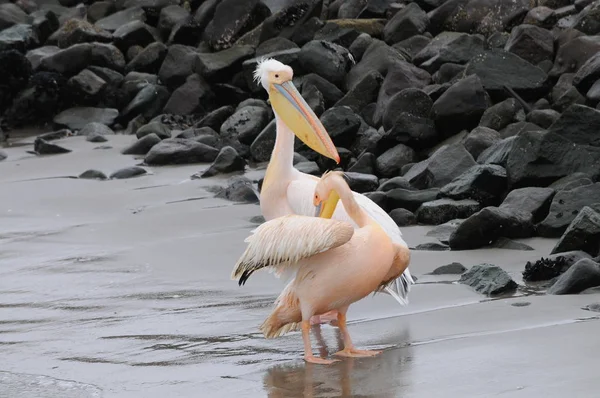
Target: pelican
{"points": [[285, 190], [335, 264]]}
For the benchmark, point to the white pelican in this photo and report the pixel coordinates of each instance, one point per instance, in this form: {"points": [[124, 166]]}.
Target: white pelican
{"points": [[335, 264], [286, 190]]}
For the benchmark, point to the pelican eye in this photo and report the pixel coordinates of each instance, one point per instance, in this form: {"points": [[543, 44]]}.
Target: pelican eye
{"points": [[276, 76]]}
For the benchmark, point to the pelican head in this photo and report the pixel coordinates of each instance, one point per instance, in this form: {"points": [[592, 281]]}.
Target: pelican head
{"points": [[327, 193], [292, 109]]}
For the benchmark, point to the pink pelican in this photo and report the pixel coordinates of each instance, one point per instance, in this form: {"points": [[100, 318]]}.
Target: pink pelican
{"points": [[286, 190], [335, 264]]}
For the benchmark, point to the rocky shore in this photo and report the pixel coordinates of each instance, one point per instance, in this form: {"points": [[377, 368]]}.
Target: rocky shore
{"points": [[476, 116]]}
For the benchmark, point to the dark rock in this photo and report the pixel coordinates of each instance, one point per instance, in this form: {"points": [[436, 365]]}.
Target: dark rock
{"points": [[77, 118], [444, 165], [148, 102], [574, 53], [582, 275], [134, 33], [99, 10], [227, 161], [262, 146], [571, 181], [245, 124], [326, 59], [395, 182], [155, 127], [363, 93], [450, 269], [531, 43], [532, 199], [497, 153], [499, 68], [222, 64], [360, 45], [541, 16], [519, 127], [239, 189], [128, 172], [56, 135], [484, 183], [95, 128], [412, 46], [114, 21], [309, 168], [441, 211], [11, 14], [565, 207], [93, 175], [564, 94], [408, 22], [216, 118], [582, 234], [364, 164], [500, 115], [543, 117], [458, 49], [389, 163], [274, 45], [86, 87], [169, 17], [587, 20], [409, 199], [43, 147], [444, 231], [403, 217], [342, 124], [180, 151], [489, 224], [232, 19], [150, 59], [479, 139], [554, 265], [193, 97], [177, 65], [448, 73], [361, 183], [378, 57], [461, 106], [578, 124], [143, 145], [432, 246], [595, 307], [96, 138], [488, 279], [19, 37], [509, 244], [498, 40], [313, 98], [540, 158], [3, 155], [76, 31]]}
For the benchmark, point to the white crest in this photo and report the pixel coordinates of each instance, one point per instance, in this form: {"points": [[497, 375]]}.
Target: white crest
{"points": [[264, 67]]}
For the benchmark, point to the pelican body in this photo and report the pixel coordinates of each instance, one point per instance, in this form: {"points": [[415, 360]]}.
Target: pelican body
{"points": [[286, 190], [335, 264]]}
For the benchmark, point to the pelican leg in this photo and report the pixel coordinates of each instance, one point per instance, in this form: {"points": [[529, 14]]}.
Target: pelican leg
{"points": [[308, 355], [328, 317], [349, 350]]}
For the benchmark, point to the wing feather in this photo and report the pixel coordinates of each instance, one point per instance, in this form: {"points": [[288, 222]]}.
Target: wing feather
{"points": [[283, 241], [299, 195]]}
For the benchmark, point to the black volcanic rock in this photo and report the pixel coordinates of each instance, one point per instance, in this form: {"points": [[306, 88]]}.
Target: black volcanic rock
{"points": [[443, 166], [408, 22], [486, 184], [532, 43], [441, 211], [582, 234], [180, 151], [326, 59]]}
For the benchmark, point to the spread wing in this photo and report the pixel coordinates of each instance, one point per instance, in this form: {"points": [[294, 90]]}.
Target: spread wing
{"points": [[282, 242]]}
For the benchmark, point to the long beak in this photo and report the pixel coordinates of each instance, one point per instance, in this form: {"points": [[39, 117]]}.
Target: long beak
{"points": [[326, 208], [297, 115]]}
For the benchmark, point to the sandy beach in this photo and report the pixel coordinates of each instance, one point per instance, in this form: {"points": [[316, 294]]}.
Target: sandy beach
{"points": [[121, 288]]}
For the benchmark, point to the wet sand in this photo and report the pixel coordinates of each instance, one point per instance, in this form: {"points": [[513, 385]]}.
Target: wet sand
{"points": [[121, 289]]}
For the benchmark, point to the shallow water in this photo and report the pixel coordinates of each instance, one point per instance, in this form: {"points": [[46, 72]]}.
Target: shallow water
{"points": [[121, 289]]}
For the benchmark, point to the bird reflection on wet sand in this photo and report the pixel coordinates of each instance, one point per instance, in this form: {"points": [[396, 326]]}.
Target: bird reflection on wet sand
{"points": [[386, 375]]}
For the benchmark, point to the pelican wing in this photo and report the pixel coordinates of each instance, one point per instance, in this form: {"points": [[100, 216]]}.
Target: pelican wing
{"points": [[283, 241], [300, 195]]}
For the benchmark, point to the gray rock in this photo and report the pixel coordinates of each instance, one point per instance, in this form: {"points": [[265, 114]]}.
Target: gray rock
{"points": [[444, 231], [565, 206], [582, 234], [479, 139], [441, 211], [595, 307], [408, 22], [582, 275], [450, 269], [194, 96], [403, 217], [409, 199], [389, 163], [180, 151], [443, 166], [395, 182], [571, 181], [177, 65], [11, 14], [488, 279], [578, 124], [134, 33], [222, 63], [93, 175], [120, 18], [3, 155], [142, 145], [245, 124], [364, 164], [95, 128], [489, 224], [239, 189], [227, 161], [500, 115], [43, 147], [150, 59], [361, 183], [19, 37], [158, 128], [309, 167], [78, 118], [532, 43], [509, 244], [432, 246], [325, 59], [484, 183], [128, 172], [534, 200]]}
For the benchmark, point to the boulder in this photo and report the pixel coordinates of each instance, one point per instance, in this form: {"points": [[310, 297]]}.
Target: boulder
{"points": [[486, 184], [488, 279], [180, 151], [441, 211], [582, 234], [582, 275]]}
